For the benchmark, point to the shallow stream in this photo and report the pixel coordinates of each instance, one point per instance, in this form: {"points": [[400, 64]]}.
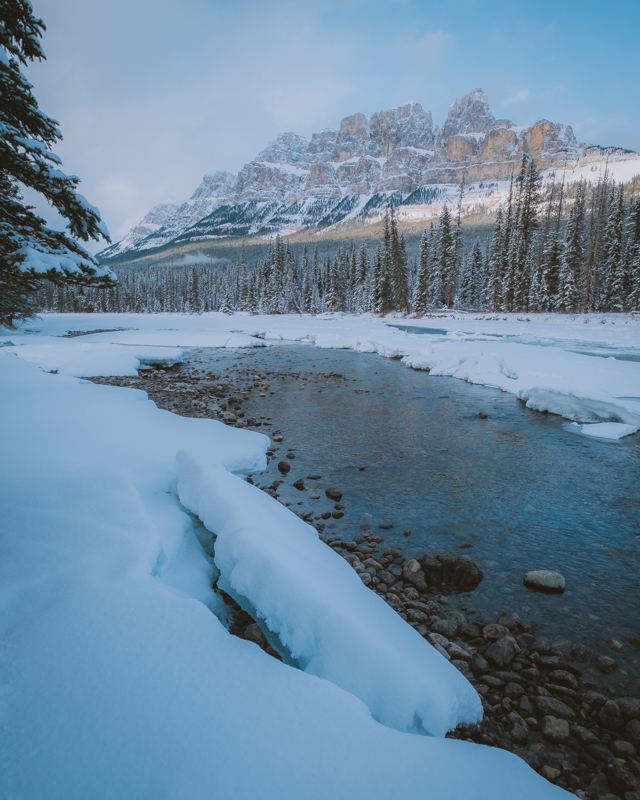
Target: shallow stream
{"points": [[517, 489]]}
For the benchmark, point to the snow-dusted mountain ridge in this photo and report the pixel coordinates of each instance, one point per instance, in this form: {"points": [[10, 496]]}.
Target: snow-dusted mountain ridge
{"points": [[295, 183]]}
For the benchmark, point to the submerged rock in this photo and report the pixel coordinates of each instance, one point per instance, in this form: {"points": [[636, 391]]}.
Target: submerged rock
{"points": [[451, 571], [545, 580]]}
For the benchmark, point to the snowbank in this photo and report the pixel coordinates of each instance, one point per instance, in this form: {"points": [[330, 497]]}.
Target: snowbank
{"points": [[120, 680], [329, 622], [549, 361], [84, 359]]}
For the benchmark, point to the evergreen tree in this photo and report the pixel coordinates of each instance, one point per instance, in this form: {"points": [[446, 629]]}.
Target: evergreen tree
{"points": [[397, 257], [492, 294], [443, 279], [470, 279], [29, 250], [571, 266], [422, 285]]}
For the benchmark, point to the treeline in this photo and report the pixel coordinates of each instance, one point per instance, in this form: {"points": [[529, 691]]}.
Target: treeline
{"points": [[575, 250]]}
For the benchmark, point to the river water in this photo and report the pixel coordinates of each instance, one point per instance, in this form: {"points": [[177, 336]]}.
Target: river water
{"points": [[518, 490]]}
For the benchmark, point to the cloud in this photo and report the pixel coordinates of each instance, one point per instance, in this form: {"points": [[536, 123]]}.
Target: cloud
{"points": [[519, 97]]}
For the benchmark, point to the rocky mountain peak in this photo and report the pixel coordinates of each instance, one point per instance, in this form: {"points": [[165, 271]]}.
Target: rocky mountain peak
{"points": [[295, 182], [213, 186], [288, 148], [470, 113], [408, 125]]}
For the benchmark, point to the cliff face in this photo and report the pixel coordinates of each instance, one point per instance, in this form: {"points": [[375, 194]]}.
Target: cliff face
{"points": [[294, 182]]}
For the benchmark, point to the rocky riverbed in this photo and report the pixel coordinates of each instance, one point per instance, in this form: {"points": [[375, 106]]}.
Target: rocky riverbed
{"points": [[563, 706]]}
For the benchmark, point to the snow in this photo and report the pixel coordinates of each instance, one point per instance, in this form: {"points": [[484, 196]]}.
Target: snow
{"points": [[604, 430], [64, 261], [549, 361], [332, 626], [83, 359], [120, 680]]}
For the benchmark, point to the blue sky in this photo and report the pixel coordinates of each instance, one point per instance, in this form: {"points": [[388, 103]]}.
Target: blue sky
{"points": [[151, 94]]}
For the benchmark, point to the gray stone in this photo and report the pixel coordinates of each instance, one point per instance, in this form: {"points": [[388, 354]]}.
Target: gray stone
{"points": [[253, 633], [545, 580], [387, 577], [630, 707], [458, 653], [513, 691], [414, 615], [468, 630], [334, 494], [525, 706], [580, 653], [494, 632], [550, 706], [502, 652], [584, 735], [519, 729], [284, 467], [610, 716], [554, 729], [604, 664], [479, 664], [438, 639], [507, 621], [632, 731], [622, 749], [620, 777], [561, 677], [451, 570], [447, 627]]}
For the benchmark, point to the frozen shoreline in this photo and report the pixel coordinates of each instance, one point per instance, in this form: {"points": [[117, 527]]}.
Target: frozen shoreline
{"points": [[108, 624], [536, 360]]}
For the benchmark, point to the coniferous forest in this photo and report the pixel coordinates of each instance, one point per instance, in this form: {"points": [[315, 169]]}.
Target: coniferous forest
{"points": [[572, 249]]}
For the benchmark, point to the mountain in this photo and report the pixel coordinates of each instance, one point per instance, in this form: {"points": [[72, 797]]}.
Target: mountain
{"points": [[351, 173]]}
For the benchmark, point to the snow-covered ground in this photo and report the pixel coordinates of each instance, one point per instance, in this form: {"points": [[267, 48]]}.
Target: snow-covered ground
{"points": [[119, 678], [578, 366]]}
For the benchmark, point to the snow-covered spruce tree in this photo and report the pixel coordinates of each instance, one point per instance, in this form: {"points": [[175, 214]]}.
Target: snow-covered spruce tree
{"points": [[571, 277], [492, 292], [421, 289], [470, 279], [399, 300], [610, 265], [29, 250], [444, 262], [515, 289]]}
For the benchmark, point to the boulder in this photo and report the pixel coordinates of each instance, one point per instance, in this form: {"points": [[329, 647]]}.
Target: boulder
{"points": [[545, 580], [554, 729], [502, 652], [630, 707], [610, 716], [451, 571], [549, 706], [604, 664]]}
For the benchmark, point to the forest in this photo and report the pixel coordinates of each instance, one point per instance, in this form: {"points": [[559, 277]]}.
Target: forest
{"points": [[567, 248]]}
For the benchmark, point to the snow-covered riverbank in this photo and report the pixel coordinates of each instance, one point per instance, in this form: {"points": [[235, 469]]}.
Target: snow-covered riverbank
{"points": [[121, 681], [576, 366]]}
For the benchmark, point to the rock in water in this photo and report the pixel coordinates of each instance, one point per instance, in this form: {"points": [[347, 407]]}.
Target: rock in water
{"points": [[545, 580], [451, 571], [334, 494], [284, 467]]}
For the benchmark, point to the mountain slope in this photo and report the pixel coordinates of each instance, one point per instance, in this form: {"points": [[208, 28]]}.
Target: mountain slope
{"points": [[351, 173]]}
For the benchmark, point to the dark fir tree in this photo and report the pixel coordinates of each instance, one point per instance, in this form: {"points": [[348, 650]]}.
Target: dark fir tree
{"points": [[29, 250]]}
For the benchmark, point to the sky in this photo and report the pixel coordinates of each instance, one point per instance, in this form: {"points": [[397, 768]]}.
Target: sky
{"points": [[152, 94]]}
